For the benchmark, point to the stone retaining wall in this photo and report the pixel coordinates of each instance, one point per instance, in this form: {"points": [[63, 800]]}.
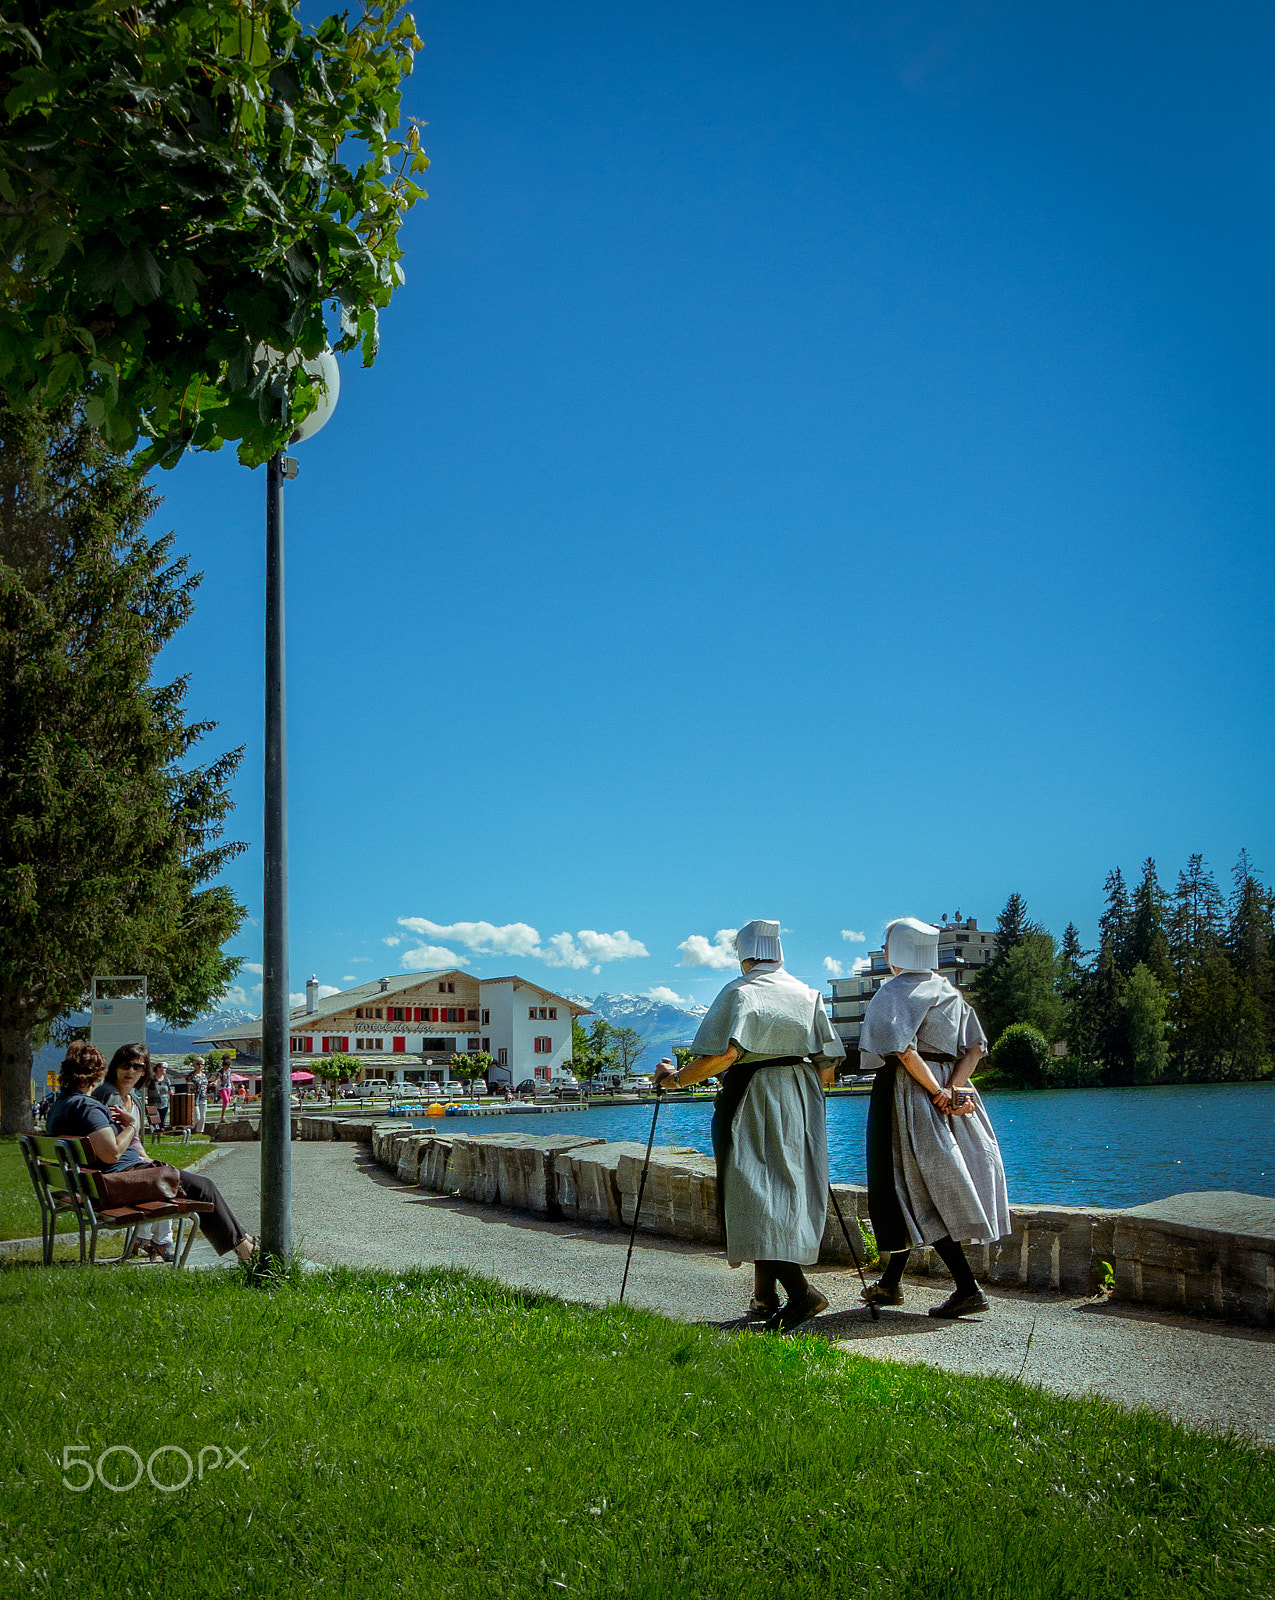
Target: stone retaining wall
{"points": [[1206, 1254], [240, 1130]]}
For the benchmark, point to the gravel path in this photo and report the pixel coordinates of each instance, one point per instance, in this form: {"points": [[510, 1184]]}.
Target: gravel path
{"points": [[347, 1209]]}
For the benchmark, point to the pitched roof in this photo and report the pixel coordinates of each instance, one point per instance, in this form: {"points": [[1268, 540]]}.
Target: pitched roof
{"points": [[345, 999]]}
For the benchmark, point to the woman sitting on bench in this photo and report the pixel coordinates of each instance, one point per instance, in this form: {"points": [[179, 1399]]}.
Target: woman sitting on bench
{"points": [[114, 1135]]}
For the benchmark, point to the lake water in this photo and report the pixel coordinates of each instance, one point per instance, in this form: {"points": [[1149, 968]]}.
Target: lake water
{"points": [[1076, 1147]]}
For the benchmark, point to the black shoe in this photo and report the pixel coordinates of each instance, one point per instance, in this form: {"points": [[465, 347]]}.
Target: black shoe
{"points": [[881, 1294], [809, 1305], [767, 1306], [961, 1302]]}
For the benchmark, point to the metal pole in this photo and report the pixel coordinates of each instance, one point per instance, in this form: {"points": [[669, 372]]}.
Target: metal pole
{"points": [[276, 1103], [637, 1209]]}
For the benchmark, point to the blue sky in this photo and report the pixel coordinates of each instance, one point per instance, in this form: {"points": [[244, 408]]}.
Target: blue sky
{"points": [[818, 467]]}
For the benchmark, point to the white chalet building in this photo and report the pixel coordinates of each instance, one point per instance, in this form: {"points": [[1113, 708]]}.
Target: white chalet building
{"points": [[406, 1028]]}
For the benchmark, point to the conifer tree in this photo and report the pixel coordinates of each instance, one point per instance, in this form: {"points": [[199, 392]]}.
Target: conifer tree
{"points": [[1147, 943], [1248, 944], [1113, 925], [108, 832]]}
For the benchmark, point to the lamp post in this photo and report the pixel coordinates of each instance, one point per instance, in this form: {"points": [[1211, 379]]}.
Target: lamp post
{"points": [[276, 1052]]}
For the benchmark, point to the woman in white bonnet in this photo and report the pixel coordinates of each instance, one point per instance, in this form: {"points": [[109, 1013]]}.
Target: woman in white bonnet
{"points": [[768, 1036], [935, 1175]]}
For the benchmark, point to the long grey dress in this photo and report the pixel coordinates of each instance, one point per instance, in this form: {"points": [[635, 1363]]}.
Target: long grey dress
{"points": [[775, 1173], [948, 1173]]}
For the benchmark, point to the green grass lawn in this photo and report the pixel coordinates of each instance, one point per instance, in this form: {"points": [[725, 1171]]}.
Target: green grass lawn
{"points": [[435, 1434], [19, 1213]]}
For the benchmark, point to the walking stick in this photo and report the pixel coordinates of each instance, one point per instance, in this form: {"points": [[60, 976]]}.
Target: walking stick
{"points": [[637, 1209], [854, 1254]]}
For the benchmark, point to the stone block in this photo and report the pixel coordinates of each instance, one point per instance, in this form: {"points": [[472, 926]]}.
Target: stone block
{"points": [[585, 1181], [680, 1198], [512, 1169], [434, 1170], [236, 1130], [1209, 1254], [352, 1132], [833, 1247], [409, 1158]]}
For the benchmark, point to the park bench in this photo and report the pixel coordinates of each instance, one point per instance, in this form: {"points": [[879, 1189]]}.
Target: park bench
{"points": [[67, 1183]]}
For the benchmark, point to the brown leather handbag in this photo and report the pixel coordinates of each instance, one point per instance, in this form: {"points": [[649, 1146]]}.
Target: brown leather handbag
{"points": [[154, 1181]]}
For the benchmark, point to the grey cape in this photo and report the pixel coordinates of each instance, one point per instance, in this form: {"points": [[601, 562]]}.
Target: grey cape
{"points": [[948, 1173], [769, 1133]]}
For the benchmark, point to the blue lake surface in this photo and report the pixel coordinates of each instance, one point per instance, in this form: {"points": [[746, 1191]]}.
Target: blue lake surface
{"points": [[1076, 1147]]}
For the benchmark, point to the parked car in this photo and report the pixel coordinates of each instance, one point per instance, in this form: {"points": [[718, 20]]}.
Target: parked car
{"points": [[527, 1086], [374, 1086], [640, 1085]]}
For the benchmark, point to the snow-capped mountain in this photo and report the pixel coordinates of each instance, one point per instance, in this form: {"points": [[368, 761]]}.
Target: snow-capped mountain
{"points": [[223, 1017], [660, 1024]]}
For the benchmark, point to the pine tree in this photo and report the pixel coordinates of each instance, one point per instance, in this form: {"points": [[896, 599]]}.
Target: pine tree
{"points": [[1101, 1031], [1113, 925], [1248, 944], [1073, 969], [108, 834], [1018, 983], [1200, 1001], [1147, 943]]}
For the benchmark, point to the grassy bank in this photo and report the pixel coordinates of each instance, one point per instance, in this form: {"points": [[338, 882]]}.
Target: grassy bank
{"points": [[19, 1213], [435, 1434]]}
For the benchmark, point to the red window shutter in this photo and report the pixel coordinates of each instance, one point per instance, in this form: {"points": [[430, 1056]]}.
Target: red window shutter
{"points": [[326, 1046], [309, 1044], [433, 1014], [400, 1044], [345, 1045]]}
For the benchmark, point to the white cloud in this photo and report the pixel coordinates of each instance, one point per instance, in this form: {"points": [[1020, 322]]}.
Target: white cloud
{"points": [[483, 938], [697, 952], [583, 949], [237, 995], [861, 964], [588, 948], [350, 977], [354, 960], [429, 957], [666, 996], [851, 937], [393, 939], [253, 966], [834, 969]]}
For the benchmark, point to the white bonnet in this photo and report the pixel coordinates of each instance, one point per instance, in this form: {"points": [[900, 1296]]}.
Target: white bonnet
{"points": [[911, 946], [759, 941]]}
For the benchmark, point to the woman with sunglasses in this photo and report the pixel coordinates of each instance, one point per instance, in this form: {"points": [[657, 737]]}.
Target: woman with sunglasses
{"points": [[121, 1098]]}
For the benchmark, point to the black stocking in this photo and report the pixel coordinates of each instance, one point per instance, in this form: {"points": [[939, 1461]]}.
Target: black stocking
{"points": [[949, 1253], [893, 1274], [789, 1274], [953, 1258]]}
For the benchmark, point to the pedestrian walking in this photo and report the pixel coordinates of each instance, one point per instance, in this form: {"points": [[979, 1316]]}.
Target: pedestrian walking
{"points": [[159, 1092], [768, 1037], [197, 1082], [935, 1175]]}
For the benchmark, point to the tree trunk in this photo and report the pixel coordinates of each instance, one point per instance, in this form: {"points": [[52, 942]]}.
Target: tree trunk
{"points": [[15, 1078]]}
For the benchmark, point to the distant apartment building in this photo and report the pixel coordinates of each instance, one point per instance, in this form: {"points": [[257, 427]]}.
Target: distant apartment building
{"points": [[407, 1028], [964, 947]]}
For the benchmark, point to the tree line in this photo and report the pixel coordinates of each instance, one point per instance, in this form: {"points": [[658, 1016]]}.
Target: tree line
{"points": [[1181, 987]]}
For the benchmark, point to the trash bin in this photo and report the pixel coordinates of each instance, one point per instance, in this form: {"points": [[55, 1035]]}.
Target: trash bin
{"points": [[181, 1110]]}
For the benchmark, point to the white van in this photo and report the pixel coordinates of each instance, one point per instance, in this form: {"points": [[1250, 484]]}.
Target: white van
{"points": [[373, 1086]]}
